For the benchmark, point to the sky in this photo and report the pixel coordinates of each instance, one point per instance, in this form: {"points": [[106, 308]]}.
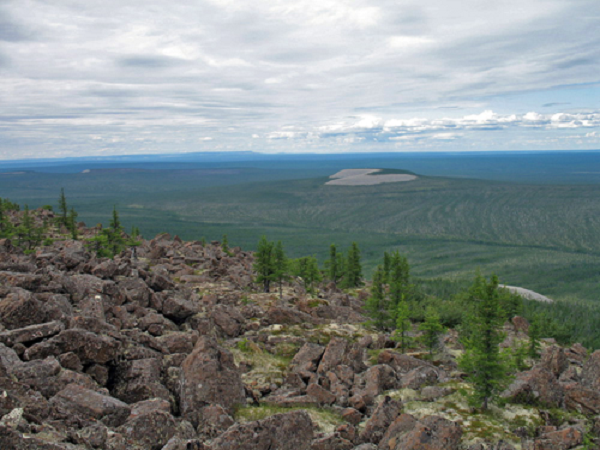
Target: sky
{"points": [[83, 78]]}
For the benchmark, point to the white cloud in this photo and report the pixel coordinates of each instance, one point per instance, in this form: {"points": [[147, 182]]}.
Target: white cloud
{"points": [[363, 74]]}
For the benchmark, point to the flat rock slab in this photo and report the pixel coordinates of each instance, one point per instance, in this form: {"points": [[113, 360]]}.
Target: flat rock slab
{"points": [[76, 401], [31, 333]]}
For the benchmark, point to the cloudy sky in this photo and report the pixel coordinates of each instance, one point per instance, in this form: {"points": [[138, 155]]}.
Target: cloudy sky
{"points": [[127, 76]]}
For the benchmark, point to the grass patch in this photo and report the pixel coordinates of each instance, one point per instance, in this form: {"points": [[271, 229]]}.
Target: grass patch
{"points": [[325, 419]]}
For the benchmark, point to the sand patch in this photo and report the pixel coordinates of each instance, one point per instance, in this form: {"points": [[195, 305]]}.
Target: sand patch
{"points": [[528, 294], [364, 177]]}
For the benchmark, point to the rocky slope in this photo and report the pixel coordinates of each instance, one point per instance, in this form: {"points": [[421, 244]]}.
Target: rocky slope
{"points": [[177, 349]]}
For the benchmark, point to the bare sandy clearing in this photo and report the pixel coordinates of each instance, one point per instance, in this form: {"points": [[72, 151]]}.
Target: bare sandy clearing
{"points": [[528, 294], [363, 177]]}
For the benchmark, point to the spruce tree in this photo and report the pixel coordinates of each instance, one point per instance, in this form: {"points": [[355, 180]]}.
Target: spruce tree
{"points": [[533, 349], [403, 326], [281, 266], [432, 329], [400, 289], [377, 304], [487, 368], [353, 272], [264, 263], [225, 245], [72, 223], [334, 271], [63, 208]]}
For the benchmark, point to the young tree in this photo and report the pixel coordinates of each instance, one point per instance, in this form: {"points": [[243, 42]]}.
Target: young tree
{"points": [[63, 208], [487, 369], [72, 223], [432, 329], [376, 305], [400, 289], [533, 349], [307, 268], [387, 267], [403, 326], [334, 265], [264, 263], [281, 266], [353, 272], [225, 245]]}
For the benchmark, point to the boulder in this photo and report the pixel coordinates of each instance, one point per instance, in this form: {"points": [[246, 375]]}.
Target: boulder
{"points": [[209, 376], [89, 347], [150, 430], [214, 420], [334, 354], [402, 424], [75, 403], [554, 360], [178, 309], [20, 308], [424, 375], [333, 441], [228, 320], [289, 431], [431, 433], [537, 385], [563, 439], [590, 375], [139, 380], [307, 359], [386, 412], [582, 399], [31, 333], [401, 363]]}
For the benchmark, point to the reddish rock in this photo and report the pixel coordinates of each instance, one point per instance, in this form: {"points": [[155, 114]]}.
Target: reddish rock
{"points": [[320, 394], [334, 355], [582, 399], [401, 363], [287, 316], [590, 375], [420, 376], [89, 347], [521, 324], [559, 440], [76, 403], [554, 360], [209, 376], [386, 412], [333, 441], [307, 359], [179, 341], [214, 420], [228, 320], [178, 309], [139, 380], [431, 433], [535, 385], [401, 425], [31, 333], [20, 308], [352, 416], [290, 431], [151, 430]]}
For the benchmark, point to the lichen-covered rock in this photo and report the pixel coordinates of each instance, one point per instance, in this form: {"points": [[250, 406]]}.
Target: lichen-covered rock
{"points": [[209, 376], [582, 399], [590, 375], [386, 412], [290, 431], [537, 385], [150, 430], [431, 433], [31, 333], [228, 320], [563, 439], [401, 363], [554, 360], [401, 425], [307, 359], [139, 380], [332, 441]]}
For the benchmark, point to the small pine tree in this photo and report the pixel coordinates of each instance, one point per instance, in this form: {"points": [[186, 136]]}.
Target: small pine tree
{"points": [[432, 329], [72, 223], [533, 349], [353, 272], [281, 266], [487, 368], [63, 208], [264, 264], [334, 271], [403, 326], [225, 245], [377, 304]]}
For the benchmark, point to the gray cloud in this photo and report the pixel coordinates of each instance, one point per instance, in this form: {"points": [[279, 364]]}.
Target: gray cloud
{"points": [[147, 76]]}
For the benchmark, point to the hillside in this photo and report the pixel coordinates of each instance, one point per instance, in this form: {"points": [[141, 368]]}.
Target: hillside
{"points": [[176, 347]]}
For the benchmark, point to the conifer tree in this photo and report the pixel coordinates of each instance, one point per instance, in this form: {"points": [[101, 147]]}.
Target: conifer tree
{"points": [[333, 265], [353, 269], [264, 264], [487, 368], [307, 268], [72, 223], [432, 329], [387, 267], [377, 304], [403, 326], [400, 289], [281, 266], [533, 349], [225, 245], [63, 208]]}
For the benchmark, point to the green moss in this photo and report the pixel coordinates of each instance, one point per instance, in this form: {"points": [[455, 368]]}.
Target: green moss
{"points": [[325, 419]]}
